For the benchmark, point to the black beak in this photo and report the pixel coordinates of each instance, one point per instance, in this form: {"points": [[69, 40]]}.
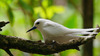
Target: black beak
{"points": [[32, 28]]}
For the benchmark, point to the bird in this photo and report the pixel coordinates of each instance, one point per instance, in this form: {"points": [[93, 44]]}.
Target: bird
{"points": [[52, 31]]}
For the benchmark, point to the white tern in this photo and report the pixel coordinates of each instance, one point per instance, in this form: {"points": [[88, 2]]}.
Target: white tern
{"points": [[53, 31]]}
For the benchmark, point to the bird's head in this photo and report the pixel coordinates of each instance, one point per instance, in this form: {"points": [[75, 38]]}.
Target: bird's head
{"points": [[38, 24]]}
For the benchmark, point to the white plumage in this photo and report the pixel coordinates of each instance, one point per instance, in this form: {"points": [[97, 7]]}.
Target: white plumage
{"points": [[53, 31]]}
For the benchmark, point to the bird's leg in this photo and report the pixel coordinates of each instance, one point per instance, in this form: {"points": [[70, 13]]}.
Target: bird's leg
{"points": [[50, 42], [53, 42]]}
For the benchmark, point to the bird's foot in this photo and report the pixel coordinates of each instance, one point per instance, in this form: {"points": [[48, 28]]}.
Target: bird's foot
{"points": [[39, 41], [51, 42]]}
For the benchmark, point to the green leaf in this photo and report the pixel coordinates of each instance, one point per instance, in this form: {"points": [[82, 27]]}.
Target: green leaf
{"points": [[10, 15], [26, 6], [1, 52], [50, 2], [2, 5], [70, 52]]}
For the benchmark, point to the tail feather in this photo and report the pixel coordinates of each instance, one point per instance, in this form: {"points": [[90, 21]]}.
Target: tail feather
{"points": [[84, 30], [85, 33], [76, 32], [75, 36]]}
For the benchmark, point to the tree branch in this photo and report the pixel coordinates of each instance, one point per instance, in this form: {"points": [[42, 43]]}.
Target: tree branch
{"points": [[10, 42], [2, 24], [8, 51]]}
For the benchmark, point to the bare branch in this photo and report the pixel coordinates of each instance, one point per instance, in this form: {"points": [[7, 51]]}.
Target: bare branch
{"points": [[10, 42], [2, 24]]}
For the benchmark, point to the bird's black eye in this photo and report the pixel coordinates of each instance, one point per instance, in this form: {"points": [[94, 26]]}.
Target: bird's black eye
{"points": [[38, 23]]}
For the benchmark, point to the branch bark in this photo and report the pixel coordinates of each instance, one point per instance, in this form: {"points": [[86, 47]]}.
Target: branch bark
{"points": [[11, 42]]}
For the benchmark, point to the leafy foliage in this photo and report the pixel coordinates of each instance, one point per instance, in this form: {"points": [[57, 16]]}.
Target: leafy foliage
{"points": [[23, 13], [10, 15]]}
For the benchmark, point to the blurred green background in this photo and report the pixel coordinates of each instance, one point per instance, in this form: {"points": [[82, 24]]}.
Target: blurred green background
{"points": [[23, 13]]}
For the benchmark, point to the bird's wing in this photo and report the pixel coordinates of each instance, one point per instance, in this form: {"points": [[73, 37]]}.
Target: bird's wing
{"points": [[55, 28]]}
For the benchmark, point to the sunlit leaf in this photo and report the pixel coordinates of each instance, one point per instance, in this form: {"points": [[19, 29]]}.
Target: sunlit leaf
{"points": [[42, 13], [9, 1], [2, 4], [37, 9], [45, 3], [68, 52], [58, 9], [50, 12]]}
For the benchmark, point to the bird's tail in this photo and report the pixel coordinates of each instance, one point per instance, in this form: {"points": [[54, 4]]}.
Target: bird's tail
{"points": [[84, 31]]}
